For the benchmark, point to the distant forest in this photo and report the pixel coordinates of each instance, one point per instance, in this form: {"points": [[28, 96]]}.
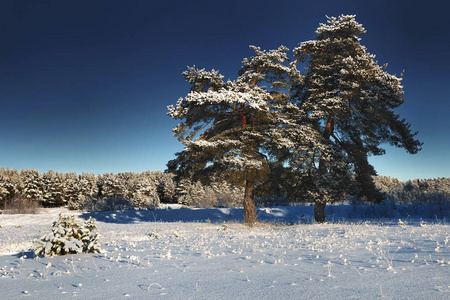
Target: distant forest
{"points": [[146, 190], [417, 191]]}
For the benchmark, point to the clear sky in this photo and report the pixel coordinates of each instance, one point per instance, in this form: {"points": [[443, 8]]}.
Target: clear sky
{"points": [[85, 85]]}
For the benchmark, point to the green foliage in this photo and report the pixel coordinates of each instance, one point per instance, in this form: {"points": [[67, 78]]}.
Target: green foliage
{"points": [[350, 100], [234, 127], [306, 136], [228, 127]]}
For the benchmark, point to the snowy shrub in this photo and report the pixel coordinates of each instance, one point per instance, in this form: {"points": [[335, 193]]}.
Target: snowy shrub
{"points": [[68, 237]]}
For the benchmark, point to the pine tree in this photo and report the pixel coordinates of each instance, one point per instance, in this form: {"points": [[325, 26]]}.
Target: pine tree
{"points": [[88, 190], [127, 184], [54, 189], [144, 191], [349, 99], [68, 237], [194, 195], [33, 186], [232, 126], [166, 186], [113, 186], [10, 186], [71, 188]]}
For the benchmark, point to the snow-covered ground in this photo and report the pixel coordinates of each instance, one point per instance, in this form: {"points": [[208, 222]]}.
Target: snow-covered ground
{"points": [[206, 254]]}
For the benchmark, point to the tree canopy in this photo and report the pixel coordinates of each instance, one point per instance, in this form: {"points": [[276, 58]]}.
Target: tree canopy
{"points": [[234, 126], [314, 130], [350, 98]]}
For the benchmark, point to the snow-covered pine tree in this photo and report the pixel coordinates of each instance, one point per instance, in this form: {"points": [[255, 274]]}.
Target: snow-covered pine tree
{"points": [[10, 186], [350, 99], [113, 186], [53, 189], [4, 190], [88, 190], [68, 237], [181, 189], [71, 188], [33, 186], [194, 195], [229, 126], [144, 191], [166, 186]]}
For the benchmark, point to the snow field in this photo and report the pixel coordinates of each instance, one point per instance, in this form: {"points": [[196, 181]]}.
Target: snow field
{"points": [[162, 260]]}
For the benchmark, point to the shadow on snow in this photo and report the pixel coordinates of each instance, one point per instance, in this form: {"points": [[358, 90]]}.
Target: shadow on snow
{"points": [[202, 215], [278, 214]]}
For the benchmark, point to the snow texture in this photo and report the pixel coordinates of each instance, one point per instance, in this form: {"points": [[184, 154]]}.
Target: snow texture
{"points": [[175, 253]]}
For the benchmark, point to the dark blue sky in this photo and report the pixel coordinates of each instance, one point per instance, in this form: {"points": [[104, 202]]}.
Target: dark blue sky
{"points": [[85, 85]]}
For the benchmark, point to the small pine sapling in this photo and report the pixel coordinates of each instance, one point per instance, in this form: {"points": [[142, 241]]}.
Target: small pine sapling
{"points": [[91, 245], [68, 237]]}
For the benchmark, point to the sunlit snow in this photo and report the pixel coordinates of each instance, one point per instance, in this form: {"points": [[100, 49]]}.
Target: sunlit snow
{"points": [[183, 253]]}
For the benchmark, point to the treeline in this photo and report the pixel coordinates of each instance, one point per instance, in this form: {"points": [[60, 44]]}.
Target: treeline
{"points": [[110, 191], [53, 189], [129, 190], [417, 191]]}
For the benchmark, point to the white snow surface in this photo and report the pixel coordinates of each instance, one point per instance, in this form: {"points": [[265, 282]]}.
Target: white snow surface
{"points": [[205, 254]]}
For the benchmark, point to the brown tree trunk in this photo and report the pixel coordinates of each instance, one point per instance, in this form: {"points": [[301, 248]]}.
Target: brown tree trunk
{"points": [[249, 204], [320, 203], [329, 128], [319, 211]]}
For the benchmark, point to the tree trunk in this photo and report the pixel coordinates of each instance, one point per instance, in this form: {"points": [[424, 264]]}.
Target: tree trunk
{"points": [[320, 203], [319, 211], [249, 204]]}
